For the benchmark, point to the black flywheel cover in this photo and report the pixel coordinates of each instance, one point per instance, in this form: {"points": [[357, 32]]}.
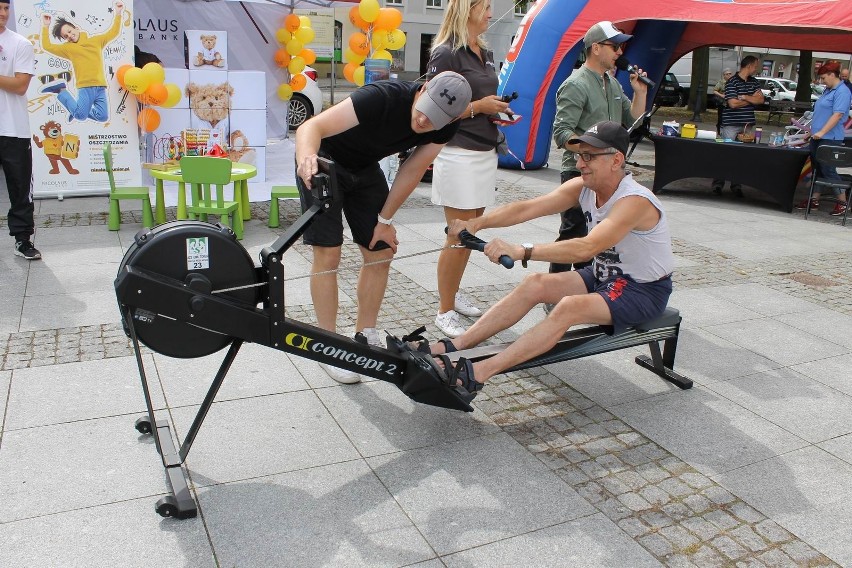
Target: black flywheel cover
{"points": [[176, 250]]}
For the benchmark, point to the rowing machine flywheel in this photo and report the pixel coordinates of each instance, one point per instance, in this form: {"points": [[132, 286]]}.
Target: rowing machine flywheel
{"points": [[207, 258]]}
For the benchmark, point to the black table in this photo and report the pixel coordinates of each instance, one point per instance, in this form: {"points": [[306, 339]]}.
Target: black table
{"points": [[772, 170]]}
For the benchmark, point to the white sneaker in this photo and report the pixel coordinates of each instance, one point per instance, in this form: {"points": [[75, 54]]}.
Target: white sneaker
{"points": [[465, 307], [371, 335], [449, 324], [341, 375]]}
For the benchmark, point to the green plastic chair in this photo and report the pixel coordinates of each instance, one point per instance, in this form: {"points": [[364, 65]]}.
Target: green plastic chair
{"points": [[202, 173], [279, 192], [116, 194]]}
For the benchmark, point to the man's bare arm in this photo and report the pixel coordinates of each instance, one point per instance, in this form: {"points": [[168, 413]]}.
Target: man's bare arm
{"points": [[16, 85]]}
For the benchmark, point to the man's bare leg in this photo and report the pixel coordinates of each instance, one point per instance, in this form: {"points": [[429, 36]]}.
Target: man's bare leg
{"points": [[571, 310], [533, 290], [372, 282], [324, 287]]}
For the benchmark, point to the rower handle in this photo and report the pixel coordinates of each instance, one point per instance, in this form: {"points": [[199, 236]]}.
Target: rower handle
{"points": [[475, 243]]}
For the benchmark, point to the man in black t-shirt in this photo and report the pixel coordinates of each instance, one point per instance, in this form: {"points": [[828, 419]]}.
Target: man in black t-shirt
{"points": [[377, 120]]}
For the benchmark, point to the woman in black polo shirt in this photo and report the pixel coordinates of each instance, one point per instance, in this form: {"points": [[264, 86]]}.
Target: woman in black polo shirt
{"points": [[465, 172]]}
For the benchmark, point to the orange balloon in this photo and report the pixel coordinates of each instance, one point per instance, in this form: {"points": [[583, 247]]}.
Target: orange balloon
{"points": [[309, 55], [292, 23], [388, 19], [148, 119], [349, 71], [359, 43], [298, 82], [120, 74], [282, 58], [155, 94], [357, 20]]}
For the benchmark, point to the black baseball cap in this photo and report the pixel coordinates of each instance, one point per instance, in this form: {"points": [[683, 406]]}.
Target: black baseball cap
{"points": [[606, 134]]}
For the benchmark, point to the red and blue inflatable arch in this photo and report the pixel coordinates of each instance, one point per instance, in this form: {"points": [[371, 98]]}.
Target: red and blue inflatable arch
{"points": [[550, 39]]}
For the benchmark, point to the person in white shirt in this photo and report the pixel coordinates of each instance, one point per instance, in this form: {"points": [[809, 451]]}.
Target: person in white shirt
{"points": [[17, 65]]}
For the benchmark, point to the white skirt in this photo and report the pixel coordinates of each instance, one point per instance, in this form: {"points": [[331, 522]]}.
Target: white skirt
{"points": [[464, 179]]}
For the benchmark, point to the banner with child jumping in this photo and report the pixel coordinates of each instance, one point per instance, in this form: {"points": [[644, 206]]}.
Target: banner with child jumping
{"points": [[75, 102]]}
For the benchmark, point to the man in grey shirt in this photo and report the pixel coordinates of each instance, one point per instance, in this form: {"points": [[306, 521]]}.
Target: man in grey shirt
{"points": [[587, 97]]}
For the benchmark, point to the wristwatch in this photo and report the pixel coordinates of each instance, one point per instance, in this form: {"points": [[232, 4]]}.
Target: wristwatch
{"points": [[528, 247], [384, 221]]}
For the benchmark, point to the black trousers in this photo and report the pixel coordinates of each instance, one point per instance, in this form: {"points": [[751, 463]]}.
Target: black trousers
{"points": [[573, 226], [17, 161]]}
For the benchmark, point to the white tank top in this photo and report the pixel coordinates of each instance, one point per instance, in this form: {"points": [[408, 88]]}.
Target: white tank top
{"points": [[645, 256]]}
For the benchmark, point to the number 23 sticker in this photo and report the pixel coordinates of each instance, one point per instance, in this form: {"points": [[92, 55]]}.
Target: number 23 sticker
{"points": [[197, 253]]}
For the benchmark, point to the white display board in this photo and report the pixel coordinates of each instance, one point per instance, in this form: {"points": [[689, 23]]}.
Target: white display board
{"points": [[75, 106]]}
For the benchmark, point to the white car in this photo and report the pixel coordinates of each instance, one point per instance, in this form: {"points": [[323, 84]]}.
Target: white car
{"points": [[780, 89], [305, 103]]}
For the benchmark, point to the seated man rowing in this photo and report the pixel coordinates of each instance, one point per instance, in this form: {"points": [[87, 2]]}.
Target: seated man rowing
{"points": [[628, 283]]}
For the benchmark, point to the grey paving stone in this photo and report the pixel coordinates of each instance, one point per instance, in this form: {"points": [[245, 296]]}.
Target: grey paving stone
{"points": [[704, 529], [806, 492], [800, 405], [288, 431], [707, 431], [58, 468], [730, 548], [840, 447], [126, 533], [590, 541], [777, 341], [746, 536], [762, 300], [69, 310], [79, 391], [379, 419], [10, 312], [699, 308], [256, 371], [831, 371], [4, 392], [334, 514], [656, 544], [513, 492]]}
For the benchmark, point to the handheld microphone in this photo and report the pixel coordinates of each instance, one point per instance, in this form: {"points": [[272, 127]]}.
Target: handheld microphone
{"points": [[624, 65]]}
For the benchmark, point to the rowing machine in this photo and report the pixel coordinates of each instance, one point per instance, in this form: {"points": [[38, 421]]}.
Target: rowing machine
{"points": [[188, 289]]}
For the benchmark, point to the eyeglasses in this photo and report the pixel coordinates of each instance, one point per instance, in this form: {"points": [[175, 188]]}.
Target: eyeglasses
{"points": [[587, 156], [614, 46]]}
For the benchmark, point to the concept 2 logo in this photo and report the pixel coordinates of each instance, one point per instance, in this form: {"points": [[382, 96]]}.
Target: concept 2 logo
{"points": [[306, 343]]}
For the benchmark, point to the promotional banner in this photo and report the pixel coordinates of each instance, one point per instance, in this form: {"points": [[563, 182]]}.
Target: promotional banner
{"points": [[75, 102]]}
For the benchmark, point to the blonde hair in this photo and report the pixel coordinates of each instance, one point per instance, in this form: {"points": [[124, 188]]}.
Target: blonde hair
{"points": [[453, 28]]}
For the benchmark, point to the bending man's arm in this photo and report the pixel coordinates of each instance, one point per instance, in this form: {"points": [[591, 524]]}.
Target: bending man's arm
{"points": [[339, 118]]}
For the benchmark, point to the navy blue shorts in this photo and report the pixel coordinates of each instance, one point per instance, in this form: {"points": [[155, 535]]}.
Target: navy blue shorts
{"points": [[362, 195], [630, 303]]}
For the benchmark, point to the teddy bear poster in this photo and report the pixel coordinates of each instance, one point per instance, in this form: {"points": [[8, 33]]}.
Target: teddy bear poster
{"points": [[206, 49], [75, 102]]}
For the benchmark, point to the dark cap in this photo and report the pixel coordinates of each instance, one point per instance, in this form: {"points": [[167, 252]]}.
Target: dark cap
{"points": [[446, 97], [606, 134], [603, 31], [4, 1]]}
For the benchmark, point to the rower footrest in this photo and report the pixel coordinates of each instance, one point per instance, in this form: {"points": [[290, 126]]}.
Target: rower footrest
{"points": [[425, 382]]}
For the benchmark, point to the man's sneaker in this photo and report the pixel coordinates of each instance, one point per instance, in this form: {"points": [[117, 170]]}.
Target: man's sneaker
{"points": [[839, 209], [465, 307], [341, 375], [804, 204], [369, 336], [54, 87], [27, 250], [449, 324], [717, 188]]}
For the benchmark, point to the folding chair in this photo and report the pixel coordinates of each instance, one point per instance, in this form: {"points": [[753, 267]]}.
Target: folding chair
{"points": [[839, 157], [202, 173]]}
